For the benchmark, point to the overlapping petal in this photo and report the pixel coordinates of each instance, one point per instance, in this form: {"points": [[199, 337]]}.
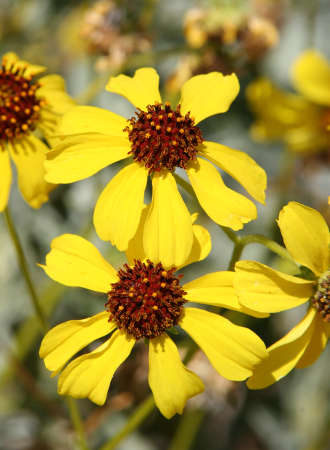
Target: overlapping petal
{"points": [[267, 290], [141, 89], [53, 90], [91, 119], [284, 354], [29, 155], [317, 343], [206, 95], [5, 178], [73, 261], [240, 166], [306, 236], [311, 77], [118, 209], [90, 375], [225, 206], [232, 350], [79, 157], [217, 289], [66, 339], [171, 383], [168, 232]]}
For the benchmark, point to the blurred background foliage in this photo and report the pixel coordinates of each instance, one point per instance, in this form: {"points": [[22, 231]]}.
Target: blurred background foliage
{"points": [[87, 42]]}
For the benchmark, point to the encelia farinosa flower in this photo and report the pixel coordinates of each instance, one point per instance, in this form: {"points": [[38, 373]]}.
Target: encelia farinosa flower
{"points": [[160, 139], [27, 104], [306, 237], [144, 301]]}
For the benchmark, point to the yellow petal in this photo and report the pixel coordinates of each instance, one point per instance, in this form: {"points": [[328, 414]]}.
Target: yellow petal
{"points": [[216, 289], [284, 354], [73, 261], [79, 157], [118, 209], [223, 205], [66, 339], [90, 119], [311, 77], [168, 232], [232, 350], [5, 177], [317, 344], [12, 62], [141, 90], [201, 246], [53, 90], [240, 166], [135, 248], [29, 155], [306, 236], [171, 383], [267, 290], [206, 95], [90, 375]]}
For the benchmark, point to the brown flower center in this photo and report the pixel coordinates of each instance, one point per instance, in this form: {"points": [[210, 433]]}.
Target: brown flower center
{"points": [[19, 106], [321, 299], [161, 138], [147, 299]]}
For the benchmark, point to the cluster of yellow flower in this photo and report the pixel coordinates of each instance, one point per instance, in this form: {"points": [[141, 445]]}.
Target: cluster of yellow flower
{"points": [[145, 298]]}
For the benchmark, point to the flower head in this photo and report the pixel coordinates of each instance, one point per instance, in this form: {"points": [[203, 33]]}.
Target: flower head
{"points": [[144, 301], [160, 138], [306, 236], [300, 120], [27, 104]]}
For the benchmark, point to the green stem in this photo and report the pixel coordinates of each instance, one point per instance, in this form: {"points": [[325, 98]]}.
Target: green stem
{"points": [[237, 252], [24, 268], [187, 430], [269, 243], [77, 423], [133, 423]]}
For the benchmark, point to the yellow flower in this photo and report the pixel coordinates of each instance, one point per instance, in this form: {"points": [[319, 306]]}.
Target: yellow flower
{"points": [[145, 300], [300, 120], [159, 139], [306, 237], [27, 105]]}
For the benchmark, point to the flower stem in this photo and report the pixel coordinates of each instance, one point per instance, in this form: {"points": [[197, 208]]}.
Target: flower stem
{"points": [[77, 423], [133, 422], [187, 430], [24, 268]]}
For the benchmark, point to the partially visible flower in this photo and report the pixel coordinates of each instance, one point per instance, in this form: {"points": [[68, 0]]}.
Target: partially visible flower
{"points": [[144, 301], [300, 120], [109, 31], [227, 37], [306, 237], [160, 139], [27, 106]]}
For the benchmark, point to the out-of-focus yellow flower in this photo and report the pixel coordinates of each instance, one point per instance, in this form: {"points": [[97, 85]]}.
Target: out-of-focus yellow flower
{"points": [[27, 106], [300, 120], [306, 237], [145, 300], [160, 139]]}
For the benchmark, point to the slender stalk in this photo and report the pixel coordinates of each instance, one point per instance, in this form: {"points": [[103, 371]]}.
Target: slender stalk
{"points": [[24, 268], [237, 252], [133, 423], [269, 243], [77, 423], [187, 430]]}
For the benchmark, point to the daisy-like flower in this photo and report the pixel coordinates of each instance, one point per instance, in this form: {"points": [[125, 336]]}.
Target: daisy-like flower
{"points": [[27, 105], [301, 120], [306, 237], [160, 139], [144, 301]]}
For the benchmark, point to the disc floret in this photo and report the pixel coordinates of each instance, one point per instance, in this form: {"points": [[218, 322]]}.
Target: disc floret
{"points": [[162, 138], [321, 299], [147, 299], [19, 105]]}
